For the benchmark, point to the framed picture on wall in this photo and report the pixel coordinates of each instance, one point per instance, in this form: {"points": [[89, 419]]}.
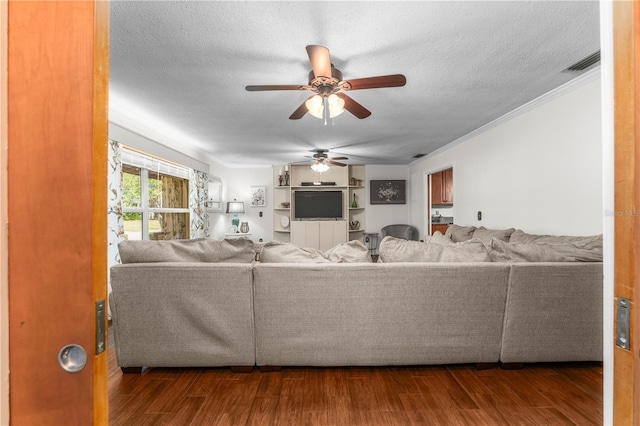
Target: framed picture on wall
{"points": [[388, 192], [258, 196]]}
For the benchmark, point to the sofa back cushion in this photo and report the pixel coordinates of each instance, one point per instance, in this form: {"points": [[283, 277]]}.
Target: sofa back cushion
{"points": [[459, 233], [486, 235], [438, 238], [277, 252], [349, 252], [543, 252], [588, 242], [234, 250], [398, 250]]}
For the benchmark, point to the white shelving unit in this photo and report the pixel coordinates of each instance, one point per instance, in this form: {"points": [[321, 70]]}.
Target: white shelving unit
{"points": [[281, 213], [319, 234]]}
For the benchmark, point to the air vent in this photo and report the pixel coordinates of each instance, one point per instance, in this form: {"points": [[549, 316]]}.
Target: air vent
{"points": [[585, 63], [419, 155]]}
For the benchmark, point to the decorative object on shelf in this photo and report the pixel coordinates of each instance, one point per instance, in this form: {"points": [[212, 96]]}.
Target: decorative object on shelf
{"points": [[284, 222], [354, 225], [280, 179], [234, 207], [244, 227], [286, 178], [258, 196], [285, 204], [352, 181], [388, 192], [233, 229], [354, 203]]}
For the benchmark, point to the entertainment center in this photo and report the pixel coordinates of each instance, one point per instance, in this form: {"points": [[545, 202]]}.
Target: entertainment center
{"points": [[318, 210]]}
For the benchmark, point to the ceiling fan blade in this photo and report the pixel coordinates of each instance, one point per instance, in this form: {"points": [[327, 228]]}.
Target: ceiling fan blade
{"points": [[320, 60], [275, 87], [353, 107], [300, 112], [334, 163], [395, 80], [339, 158]]}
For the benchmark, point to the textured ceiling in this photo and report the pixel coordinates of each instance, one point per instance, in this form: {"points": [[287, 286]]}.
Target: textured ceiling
{"points": [[182, 67]]}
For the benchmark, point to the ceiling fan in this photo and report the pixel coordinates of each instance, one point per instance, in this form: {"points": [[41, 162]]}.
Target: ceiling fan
{"points": [[320, 161], [325, 81]]}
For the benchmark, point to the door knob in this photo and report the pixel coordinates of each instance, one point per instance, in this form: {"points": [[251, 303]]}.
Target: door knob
{"points": [[72, 358]]}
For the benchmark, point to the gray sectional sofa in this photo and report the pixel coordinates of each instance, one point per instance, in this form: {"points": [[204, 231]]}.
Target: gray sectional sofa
{"points": [[209, 303]]}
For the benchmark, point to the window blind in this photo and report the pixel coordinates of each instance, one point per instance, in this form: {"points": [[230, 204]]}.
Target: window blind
{"points": [[138, 159]]}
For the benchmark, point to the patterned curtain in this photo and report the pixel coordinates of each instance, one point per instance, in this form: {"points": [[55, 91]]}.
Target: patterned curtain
{"points": [[115, 224], [198, 186]]}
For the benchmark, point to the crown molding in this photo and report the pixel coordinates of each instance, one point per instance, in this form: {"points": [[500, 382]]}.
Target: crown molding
{"points": [[587, 77]]}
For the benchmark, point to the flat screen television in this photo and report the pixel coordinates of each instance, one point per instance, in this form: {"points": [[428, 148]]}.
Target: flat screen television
{"points": [[318, 205]]}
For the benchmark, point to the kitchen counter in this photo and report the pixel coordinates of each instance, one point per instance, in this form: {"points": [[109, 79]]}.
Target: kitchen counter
{"points": [[444, 220]]}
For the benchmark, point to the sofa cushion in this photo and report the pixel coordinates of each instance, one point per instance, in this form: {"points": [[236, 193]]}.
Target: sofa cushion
{"points": [[502, 251], [349, 252], [459, 233], [438, 238], [486, 235], [398, 250], [542, 252], [277, 252], [588, 242], [235, 250]]}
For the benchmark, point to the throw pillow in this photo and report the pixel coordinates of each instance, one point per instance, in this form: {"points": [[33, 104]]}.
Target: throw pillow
{"points": [[277, 252], [349, 252], [486, 235], [235, 250], [397, 250], [438, 238], [459, 233]]}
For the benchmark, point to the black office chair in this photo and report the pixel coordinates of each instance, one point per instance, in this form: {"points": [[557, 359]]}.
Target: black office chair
{"points": [[407, 232]]}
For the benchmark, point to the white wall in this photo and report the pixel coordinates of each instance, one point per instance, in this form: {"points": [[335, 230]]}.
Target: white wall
{"points": [[378, 215], [540, 171], [236, 184]]}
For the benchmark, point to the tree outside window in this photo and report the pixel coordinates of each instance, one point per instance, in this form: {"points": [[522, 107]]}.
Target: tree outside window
{"points": [[155, 204]]}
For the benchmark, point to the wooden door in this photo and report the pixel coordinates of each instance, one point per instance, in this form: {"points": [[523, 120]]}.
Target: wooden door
{"points": [[436, 188], [447, 186], [57, 88], [626, 55]]}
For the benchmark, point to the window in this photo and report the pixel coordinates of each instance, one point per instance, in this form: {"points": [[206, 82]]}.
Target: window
{"points": [[155, 198]]}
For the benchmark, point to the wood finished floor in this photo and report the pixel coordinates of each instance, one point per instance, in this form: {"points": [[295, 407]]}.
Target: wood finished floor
{"points": [[567, 394]]}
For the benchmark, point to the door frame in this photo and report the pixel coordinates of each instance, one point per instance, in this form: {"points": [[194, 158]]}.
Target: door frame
{"points": [[626, 219], [4, 238]]}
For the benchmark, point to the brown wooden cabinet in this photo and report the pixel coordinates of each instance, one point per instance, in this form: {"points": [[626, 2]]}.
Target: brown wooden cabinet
{"points": [[442, 227], [442, 188]]}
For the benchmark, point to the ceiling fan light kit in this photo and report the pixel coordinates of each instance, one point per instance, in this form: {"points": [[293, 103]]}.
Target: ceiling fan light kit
{"points": [[325, 81], [319, 166], [316, 105]]}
